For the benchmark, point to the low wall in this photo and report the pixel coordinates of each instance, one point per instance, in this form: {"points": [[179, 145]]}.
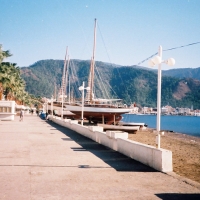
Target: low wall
{"points": [[159, 159]]}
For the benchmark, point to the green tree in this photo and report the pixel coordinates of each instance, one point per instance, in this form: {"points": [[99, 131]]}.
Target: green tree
{"points": [[12, 86], [4, 54]]}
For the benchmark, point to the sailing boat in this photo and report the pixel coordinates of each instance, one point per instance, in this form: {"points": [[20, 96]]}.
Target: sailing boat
{"points": [[106, 111], [59, 105]]}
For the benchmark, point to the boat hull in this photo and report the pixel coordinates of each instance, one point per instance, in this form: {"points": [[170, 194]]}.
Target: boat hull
{"points": [[99, 114], [57, 110], [120, 128], [142, 126]]}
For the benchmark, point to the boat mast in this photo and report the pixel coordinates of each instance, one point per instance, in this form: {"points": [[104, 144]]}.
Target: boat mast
{"points": [[66, 75], [55, 92], [91, 75], [89, 83], [93, 62], [69, 92]]}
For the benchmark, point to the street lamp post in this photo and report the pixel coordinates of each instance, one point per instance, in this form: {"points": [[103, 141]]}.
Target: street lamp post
{"points": [[157, 60], [46, 105], [52, 106], [62, 105], [63, 96], [82, 88]]}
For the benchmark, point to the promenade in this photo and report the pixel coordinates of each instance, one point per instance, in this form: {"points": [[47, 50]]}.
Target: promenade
{"points": [[42, 160]]}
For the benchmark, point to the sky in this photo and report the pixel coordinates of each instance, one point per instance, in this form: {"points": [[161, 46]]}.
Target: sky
{"points": [[128, 31]]}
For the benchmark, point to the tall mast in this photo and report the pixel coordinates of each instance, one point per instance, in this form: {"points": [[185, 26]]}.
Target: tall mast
{"points": [[69, 92], [93, 61], [91, 75], [67, 73], [63, 84], [64, 76], [89, 83]]}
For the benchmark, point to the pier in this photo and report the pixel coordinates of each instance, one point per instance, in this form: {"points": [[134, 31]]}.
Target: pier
{"points": [[42, 160]]}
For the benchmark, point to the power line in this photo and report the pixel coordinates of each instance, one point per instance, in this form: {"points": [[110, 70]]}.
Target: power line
{"points": [[168, 50], [181, 46], [147, 59]]}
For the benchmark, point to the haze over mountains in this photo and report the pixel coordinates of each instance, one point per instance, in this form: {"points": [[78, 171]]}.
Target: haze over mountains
{"points": [[180, 87]]}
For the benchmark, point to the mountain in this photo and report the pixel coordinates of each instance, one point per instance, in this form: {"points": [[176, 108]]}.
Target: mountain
{"points": [[40, 76], [183, 73], [132, 84]]}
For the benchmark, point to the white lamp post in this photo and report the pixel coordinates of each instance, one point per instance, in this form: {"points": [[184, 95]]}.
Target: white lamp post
{"points": [[46, 101], [82, 88], [47, 106], [157, 60], [62, 105], [52, 106]]}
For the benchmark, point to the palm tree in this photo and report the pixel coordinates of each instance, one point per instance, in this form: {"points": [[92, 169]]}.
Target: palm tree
{"points": [[11, 82], [12, 86], [4, 54], [9, 76]]}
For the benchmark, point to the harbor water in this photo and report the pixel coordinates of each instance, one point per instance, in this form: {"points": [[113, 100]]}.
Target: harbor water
{"points": [[189, 125]]}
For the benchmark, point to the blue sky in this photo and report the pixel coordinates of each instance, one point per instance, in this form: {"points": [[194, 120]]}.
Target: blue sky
{"points": [[128, 30]]}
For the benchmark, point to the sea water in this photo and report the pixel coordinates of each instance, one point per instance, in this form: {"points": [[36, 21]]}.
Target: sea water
{"points": [[189, 125]]}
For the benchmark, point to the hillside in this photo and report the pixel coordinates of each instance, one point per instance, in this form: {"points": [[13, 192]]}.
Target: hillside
{"points": [[183, 73], [131, 84]]}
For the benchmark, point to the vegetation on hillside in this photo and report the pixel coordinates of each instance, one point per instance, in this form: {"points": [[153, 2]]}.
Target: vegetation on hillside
{"points": [[128, 83], [183, 73], [12, 86]]}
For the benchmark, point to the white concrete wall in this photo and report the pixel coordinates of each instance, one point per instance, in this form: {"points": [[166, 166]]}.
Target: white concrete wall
{"points": [[7, 115], [159, 159], [105, 140]]}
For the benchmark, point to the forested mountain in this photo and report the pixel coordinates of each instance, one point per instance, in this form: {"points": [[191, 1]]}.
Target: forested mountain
{"points": [[183, 73], [40, 77], [133, 84]]}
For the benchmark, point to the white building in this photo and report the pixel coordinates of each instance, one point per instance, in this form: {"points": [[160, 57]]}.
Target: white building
{"points": [[183, 111], [146, 110], [134, 110], [7, 110]]}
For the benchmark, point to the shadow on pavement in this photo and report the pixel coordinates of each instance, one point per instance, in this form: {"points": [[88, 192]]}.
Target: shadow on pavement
{"points": [[176, 196], [113, 158]]}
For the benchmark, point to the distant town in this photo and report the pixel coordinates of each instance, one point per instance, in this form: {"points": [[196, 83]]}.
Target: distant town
{"points": [[166, 110]]}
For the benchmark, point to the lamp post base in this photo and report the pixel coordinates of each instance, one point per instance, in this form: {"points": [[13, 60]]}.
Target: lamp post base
{"points": [[158, 140]]}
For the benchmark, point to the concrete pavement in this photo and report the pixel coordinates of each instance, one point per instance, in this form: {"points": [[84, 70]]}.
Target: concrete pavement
{"points": [[42, 160]]}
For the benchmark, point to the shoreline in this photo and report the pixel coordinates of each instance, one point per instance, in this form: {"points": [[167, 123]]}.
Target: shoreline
{"points": [[178, 124], [174, 133], [185, 150]]}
